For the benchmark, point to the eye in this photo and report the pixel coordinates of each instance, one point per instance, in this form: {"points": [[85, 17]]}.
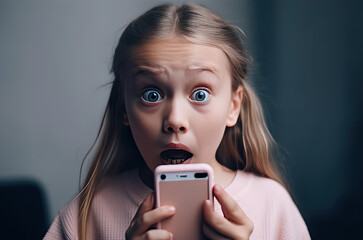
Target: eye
{"points": [[200, 95], [152, 96]]}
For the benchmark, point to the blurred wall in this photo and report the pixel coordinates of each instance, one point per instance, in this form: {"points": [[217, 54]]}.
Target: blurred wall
{"points": [[308, 58]]}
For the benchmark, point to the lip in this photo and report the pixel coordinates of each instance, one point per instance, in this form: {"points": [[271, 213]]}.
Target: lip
{"points": [[177, 146]]}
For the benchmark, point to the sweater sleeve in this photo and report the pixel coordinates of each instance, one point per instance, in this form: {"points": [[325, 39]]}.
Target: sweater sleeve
{"points": [[289, 224], [65, 224]]}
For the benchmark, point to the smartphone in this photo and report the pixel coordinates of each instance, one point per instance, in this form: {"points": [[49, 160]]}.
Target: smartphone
{"points": [[185, 187]]}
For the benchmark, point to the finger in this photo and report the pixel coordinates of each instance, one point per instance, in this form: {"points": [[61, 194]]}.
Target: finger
{"points": [[146, 216], [144, 222], [145, 206], [210, 233], [216, 221], [230, 207], [157, 234]]}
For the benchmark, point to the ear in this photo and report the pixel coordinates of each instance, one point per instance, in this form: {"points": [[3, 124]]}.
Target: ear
{"points": [[235, 107], [125, 120]]}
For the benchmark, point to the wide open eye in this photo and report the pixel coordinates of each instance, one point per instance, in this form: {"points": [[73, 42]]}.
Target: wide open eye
{"points": [[152, 96], [200, 95]]}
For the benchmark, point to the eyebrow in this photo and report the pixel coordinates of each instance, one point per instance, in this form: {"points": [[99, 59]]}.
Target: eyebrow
{"points": [[144, 69], [153, 70], [202, 67], [209, 68]]}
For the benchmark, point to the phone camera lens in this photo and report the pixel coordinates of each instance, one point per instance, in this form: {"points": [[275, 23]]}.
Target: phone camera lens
{"points": [[162, 176], [201, 175]]}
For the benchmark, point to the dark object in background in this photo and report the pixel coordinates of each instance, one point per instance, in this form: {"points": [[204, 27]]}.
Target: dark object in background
{"points": [[23, 212]]}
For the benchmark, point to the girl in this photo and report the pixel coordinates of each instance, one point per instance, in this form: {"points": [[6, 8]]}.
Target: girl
{"points": [[179, 96]]}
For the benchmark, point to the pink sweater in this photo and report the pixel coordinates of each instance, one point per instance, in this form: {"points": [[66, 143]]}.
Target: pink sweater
{"points": [[265, 202]]}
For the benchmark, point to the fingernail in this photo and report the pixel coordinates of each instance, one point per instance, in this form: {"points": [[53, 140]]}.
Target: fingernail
{"points": [[171, 209], [208, 202], [218, 188]]}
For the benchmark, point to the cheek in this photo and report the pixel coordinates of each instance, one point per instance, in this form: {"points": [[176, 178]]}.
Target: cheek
{"points": [[143, 126], [211, 130], [145, 130], [138, 120]]}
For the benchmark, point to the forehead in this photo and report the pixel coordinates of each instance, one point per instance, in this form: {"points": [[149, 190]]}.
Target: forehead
{"points": [[179, 54]]}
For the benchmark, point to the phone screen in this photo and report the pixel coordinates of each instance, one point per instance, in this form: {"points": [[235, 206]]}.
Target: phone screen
{"points": [[186, 191]]}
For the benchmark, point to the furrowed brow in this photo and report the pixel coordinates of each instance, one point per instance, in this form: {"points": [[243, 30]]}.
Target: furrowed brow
{"points": [[201, 68], [147, 70]]}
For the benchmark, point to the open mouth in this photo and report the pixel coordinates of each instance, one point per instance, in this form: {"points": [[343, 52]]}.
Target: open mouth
{"points": [[175, 156]]}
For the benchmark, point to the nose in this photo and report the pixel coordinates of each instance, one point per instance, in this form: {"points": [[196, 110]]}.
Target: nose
{"points": [[176, 120]]}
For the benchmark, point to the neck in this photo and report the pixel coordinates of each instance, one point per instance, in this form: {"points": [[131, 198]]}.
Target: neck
{"points": [[223, 176], [147, 176]]}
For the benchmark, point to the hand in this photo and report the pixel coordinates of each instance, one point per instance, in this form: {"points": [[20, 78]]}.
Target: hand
{"points": [[141, 226], [234, 225]]}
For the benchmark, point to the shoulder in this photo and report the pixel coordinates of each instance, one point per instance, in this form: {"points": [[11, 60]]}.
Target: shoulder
{"points": [[268, 194], [259, 192], [270, 206], [113, 205], [117, 194], [65, 224], [255, 186], [126, 186]]}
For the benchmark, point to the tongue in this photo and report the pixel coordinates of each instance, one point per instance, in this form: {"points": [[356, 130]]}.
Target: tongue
{"points": [[175, 155]]}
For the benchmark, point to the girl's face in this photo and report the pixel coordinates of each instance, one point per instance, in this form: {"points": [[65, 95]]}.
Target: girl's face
{"points": [[178, 101]]}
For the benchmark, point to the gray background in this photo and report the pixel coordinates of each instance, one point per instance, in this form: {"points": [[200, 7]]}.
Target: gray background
{"points": [[55, 58]]}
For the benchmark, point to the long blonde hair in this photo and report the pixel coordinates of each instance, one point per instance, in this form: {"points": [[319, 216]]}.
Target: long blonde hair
{"points": [[248, 145]]}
